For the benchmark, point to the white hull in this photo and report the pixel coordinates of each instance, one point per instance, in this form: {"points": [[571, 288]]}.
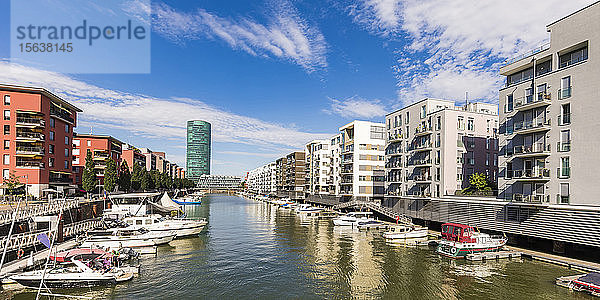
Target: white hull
{"points": [[416, 234]]}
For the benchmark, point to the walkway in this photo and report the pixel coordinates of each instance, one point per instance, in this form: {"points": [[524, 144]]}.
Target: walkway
{"points": [[388, 212], [571, 263]]}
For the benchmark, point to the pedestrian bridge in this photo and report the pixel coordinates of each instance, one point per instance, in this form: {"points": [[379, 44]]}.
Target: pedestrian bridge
{"points": [[376, 208]]}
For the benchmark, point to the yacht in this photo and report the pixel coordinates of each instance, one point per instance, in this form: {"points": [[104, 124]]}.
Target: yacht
{"points": [[369, 224], [458, 240], [158, 223], [352, 218], [120, 238], [72, 275], [405, 232], [307, 208]]}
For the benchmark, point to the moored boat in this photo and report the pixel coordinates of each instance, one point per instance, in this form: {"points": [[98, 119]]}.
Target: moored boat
{"points": [[352, 218], [458, 240], [402, 232], [158, 223], [307, 208]]}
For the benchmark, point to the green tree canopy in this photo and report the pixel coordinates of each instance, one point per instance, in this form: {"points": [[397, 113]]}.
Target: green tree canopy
{"points": [[89, 173], [124, 177], [110, 176], [12, 182], [136, 177]]}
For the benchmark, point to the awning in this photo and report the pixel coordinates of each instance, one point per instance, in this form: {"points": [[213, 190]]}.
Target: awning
{"points": [[60, 172]]}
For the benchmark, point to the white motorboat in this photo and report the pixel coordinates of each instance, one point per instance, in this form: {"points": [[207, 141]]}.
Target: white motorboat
{"points": [[121, 238], [352, 218], [405, 232], [369, 224], [157, 223], [307, 208], [281, 201], [71, 275]]}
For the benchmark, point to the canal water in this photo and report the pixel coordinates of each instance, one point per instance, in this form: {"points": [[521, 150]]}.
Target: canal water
{"points": [[252, 250]]}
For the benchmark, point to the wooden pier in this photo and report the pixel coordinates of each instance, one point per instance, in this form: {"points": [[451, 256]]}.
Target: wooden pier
{"points": [[485, 256]]}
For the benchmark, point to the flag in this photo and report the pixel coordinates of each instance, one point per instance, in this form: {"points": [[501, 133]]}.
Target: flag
{"points": [[43, 238]]}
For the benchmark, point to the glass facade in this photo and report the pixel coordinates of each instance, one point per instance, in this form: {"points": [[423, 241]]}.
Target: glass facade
{"points": [[198, 149]]}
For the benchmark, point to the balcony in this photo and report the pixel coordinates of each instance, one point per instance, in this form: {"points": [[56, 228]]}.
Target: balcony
{"points": [[525, 198], [347, 171], [61, 114], [393, 138], [421, 163], [422, 178], [394, 165], [564, 93], [29, 151], [26, 136], [29, 163], [530, 175], [531, 126], [423, 147], [529, 102], [563, 146], [423, 130], [30, 122], [60, 179], [531, 150]]}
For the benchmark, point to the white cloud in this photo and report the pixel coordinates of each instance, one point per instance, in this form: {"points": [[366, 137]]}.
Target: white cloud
{"points": [[286, 36], [356, 107], [153, 117], [257, 154], [457, 46]]}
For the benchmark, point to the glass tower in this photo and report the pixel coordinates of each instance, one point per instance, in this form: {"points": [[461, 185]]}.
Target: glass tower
{"points": [[198, 149]]}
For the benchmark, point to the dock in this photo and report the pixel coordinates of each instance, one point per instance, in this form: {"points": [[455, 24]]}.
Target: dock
{"points": [[571, 263], [485, 256]]}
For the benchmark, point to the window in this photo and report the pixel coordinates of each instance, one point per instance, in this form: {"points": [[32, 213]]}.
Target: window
{"points": [[75, 151], [565, 88], [461, 123], [76, 143], [565, 169], [487, 159], [437, 157], [52, 122], [66, 152], [66, 164], [438, 174], [543, 68], [89, 143], [573, 57], [6, 99], [52, 135], [67, 128], [519, 76], [528, 95], [50, 149], [6, 129], [438, 140], [565, 141], [50, 162], [423, 111], [471, 124], [6, 144], [438, 123], [7, 115], [564, 193], [66, 140], [541, 92], [6, 159], [509, 103], [565, 114], [6, 173]]}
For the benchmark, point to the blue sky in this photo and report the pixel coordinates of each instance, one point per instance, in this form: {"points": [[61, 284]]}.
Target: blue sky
{"points": [[272, 75]]}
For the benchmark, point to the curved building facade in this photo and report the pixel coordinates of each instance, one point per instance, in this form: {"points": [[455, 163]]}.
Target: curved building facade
{"points": [[198, 149]]}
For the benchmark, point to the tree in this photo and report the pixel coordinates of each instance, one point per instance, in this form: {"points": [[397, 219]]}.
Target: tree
{"points": [[12, 182], [110, 176], [155, 175], [124, 177], [146, 182], [136, 177], [478, 181], [89, 173]]}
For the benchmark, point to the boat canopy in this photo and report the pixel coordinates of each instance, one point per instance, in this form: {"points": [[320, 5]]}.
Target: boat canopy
{"points": [[458, 232]]}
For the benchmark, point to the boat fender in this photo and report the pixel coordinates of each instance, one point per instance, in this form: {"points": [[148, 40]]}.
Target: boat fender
{"points": [[453, 250], [20, 253]]}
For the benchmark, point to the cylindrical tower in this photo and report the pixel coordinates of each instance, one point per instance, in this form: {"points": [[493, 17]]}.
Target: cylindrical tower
{"points": [[198, 149]]}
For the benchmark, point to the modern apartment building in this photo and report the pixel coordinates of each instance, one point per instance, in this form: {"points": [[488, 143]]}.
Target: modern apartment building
{"points": [[263, 180], [549, 116], [294, 175], [198, 149], [317, 167], [101, 147], [433, 147], [133, 155], [219, 182], [335, 163], [38, 133], [362, 161], [150, 157]]}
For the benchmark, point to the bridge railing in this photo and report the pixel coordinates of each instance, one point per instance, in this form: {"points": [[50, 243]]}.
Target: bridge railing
{"points": [[48, 208], [377, 208]]}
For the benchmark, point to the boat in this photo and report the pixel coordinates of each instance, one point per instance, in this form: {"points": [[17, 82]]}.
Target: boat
{"points": [[281, 201], [351, 219], [189, 200], [588, 283], [307, 208], [368, 224], [89, 254], [458, 240], [121, 238], [405, 232], [158, 223], [75, 274]]}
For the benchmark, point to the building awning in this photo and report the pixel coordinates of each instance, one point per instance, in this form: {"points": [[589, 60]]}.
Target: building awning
{"points": [[60, 172]]}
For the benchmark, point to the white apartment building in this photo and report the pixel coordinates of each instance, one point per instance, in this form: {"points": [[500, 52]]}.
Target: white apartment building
{"points": [[317, 167], [433, 147], [335, 162], [550, 116], [263, 180], [362, 161]]}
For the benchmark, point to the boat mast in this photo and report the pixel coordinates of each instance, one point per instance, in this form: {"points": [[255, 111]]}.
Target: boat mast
{"points": [[48, 258]]}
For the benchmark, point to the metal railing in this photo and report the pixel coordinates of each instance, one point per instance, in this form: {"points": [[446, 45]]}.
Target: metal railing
{"points": [[563, 172], [30, 135], [388, 212], [563, 146], [528, 174], [532, 52], [29, 120], [30, 211], [529, 99], [26, 150]]}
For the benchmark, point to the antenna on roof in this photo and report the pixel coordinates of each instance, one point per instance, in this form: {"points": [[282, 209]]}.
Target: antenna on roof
{"points": [[466, 98]]}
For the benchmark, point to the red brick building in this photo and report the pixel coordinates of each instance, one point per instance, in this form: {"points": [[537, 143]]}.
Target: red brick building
{"points": [[102, 147], [133, 155], [37, 137]]}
